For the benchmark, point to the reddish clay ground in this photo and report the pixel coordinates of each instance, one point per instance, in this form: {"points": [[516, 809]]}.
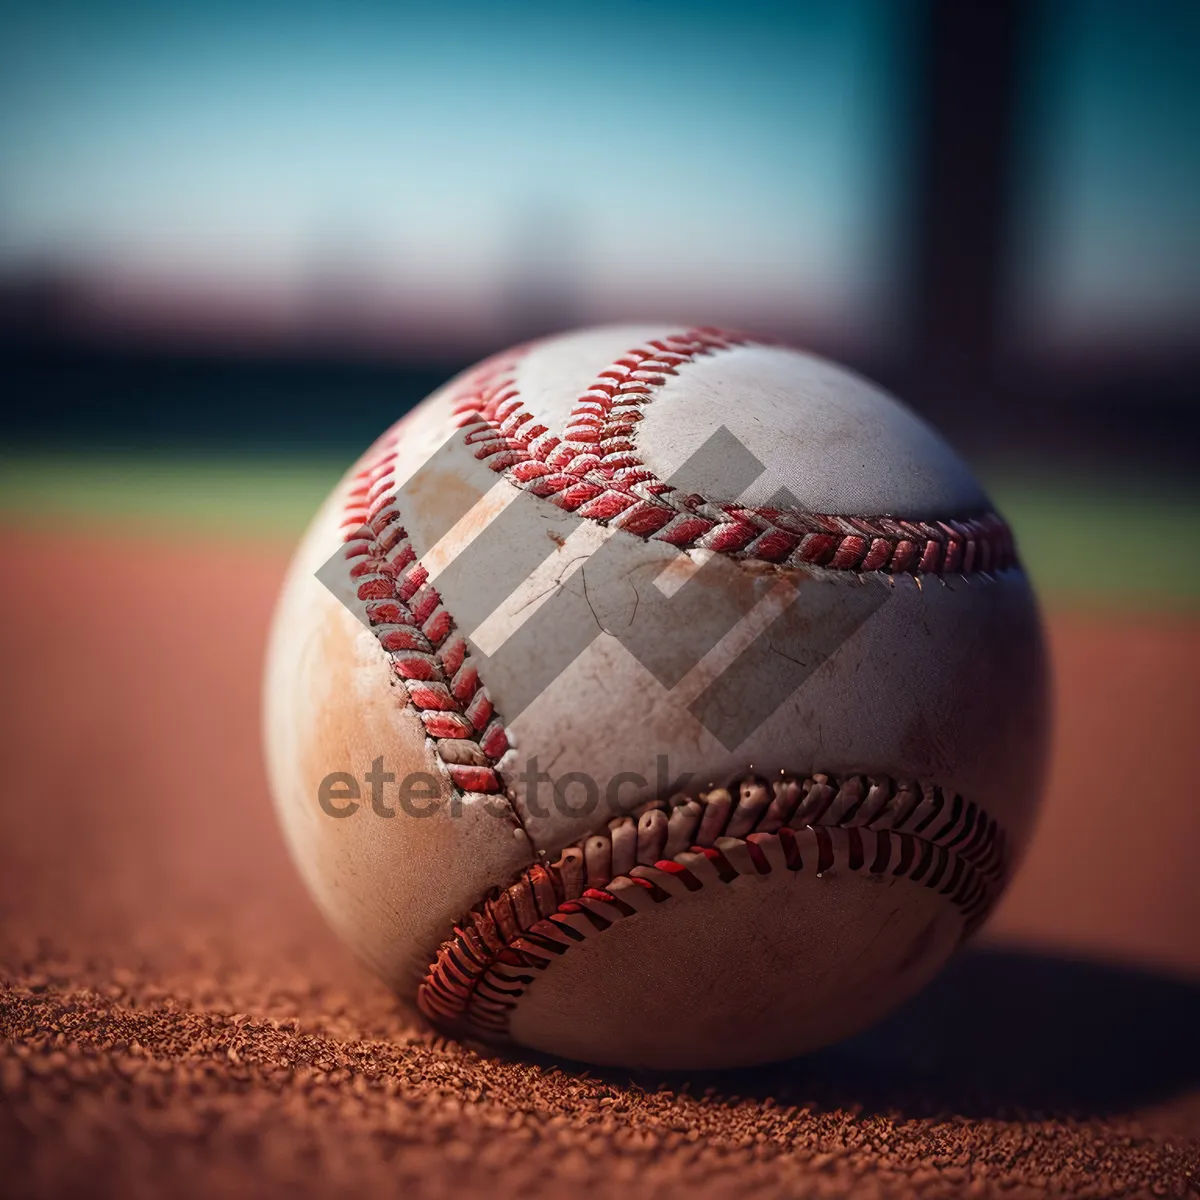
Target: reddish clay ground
{"points": [[176, 1019]]}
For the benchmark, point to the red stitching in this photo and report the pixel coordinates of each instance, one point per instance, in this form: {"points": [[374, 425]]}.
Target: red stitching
{"points": [[873, 826], [429, 660], [594, 471]]}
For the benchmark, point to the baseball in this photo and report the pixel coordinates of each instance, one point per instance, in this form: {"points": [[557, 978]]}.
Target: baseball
{"points": [[657, 696]]}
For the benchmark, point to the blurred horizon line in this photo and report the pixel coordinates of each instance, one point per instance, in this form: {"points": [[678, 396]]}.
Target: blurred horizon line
{"points": [[355, 316], [352, 315]]}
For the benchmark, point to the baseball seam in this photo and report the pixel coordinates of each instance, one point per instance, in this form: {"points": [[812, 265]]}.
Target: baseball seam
{"points": [[592, 470], [428, 656], [677, 847]]}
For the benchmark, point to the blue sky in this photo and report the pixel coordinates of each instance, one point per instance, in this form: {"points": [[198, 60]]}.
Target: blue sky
{"points": [[703, 159], [655, 152], [1108, 230]]}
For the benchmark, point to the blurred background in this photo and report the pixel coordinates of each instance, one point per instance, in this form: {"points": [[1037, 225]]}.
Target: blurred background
{"points": [[238, 240]]}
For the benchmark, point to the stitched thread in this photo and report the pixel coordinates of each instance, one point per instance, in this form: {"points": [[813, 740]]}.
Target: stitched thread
{"points": [[593, 469], [429, 658], [677, 847]]}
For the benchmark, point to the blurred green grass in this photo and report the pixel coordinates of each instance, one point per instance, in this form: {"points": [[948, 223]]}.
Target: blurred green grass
{"points": [[240, 498], [1104, 544], [1088, 542]]}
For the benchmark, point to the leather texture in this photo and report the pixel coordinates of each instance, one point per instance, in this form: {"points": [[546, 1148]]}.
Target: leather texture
{"points": [[604, 653]]}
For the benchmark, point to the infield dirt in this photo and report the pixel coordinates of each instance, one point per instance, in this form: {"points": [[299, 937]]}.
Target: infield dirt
{"points": [[176, 1017]]}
